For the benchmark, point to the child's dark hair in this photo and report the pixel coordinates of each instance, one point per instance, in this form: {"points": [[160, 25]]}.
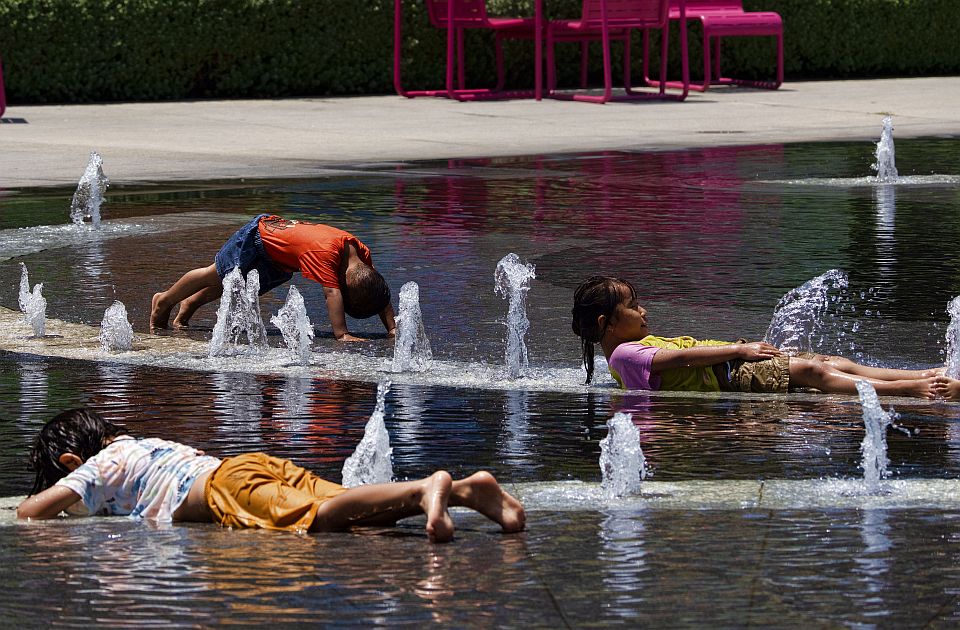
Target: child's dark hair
{"points": [[82, 432], [365, 293], [598, 295]]}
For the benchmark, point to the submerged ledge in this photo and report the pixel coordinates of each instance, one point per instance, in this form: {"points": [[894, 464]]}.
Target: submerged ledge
{"points": [[771, 494], [67, 340]]}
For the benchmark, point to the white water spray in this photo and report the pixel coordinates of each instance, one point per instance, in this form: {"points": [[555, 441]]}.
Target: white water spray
{"points": [[953, 339], [411, 350], [798, 315], [295, 326], [371, 461], [874, 445], [116, 332], [90, 193], [886, 166], [512, 281], [622, 464], [238, 315], [32, 303]]}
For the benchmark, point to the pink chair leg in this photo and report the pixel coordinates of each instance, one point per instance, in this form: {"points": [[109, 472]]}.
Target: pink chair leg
{"points": [[461, 72], [716, 57], [501, 72], [584, 60], [3, 94]]}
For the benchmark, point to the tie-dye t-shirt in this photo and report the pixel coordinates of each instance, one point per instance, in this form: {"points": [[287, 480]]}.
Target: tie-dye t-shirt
{"points": [[143, 478]]}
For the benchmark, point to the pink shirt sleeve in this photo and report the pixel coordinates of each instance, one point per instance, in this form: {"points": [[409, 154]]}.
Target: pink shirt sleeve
{"points": [[631, 365]]}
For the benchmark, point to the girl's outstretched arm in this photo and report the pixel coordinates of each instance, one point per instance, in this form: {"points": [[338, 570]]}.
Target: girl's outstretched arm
{"points": [[47, 504], [702, 356]]}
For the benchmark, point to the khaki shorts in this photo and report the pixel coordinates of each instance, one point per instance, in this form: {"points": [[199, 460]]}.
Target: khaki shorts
{"points": [[259, 491], [768, 376]]}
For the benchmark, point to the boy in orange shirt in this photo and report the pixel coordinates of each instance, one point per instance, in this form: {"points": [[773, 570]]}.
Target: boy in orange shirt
{"points": [[276, 248]]}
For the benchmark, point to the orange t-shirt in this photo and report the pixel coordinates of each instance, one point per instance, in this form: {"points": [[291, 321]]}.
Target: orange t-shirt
{"points": [[313, 249]]}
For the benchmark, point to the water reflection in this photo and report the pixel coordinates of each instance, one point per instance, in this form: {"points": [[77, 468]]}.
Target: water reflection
{"points": [[622, 554]]}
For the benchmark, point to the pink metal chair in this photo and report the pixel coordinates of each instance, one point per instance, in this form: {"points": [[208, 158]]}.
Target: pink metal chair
{"points": [[456, 16], [614, 20], [726, 18], [3, 96]]}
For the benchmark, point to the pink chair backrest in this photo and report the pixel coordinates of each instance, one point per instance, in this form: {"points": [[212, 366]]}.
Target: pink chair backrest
{"points": [[465, 12], [634, 13], [718, 5]]}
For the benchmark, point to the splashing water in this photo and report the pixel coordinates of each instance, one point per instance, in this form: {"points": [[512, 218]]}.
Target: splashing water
{"points": [[512, 279], [116, 333], [411, 350], [622, 464], [874, 445], [885, 166], [32, 303], [798, 315], [370, 462], [238, 314], [953, 339], [90, 193], [295, 326]]}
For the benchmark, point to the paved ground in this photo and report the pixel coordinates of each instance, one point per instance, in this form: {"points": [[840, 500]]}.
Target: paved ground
{"points": [[304, 137]]}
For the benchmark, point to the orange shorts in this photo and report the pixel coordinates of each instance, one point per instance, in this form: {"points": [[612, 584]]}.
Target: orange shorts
{"points": [[259, 491]]}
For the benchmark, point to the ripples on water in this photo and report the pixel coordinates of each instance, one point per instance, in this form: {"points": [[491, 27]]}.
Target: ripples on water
{"points": [[712, 238]]}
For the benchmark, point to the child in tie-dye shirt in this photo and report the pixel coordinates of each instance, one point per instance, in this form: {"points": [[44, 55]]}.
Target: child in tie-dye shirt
{"points": [[81, 457]]}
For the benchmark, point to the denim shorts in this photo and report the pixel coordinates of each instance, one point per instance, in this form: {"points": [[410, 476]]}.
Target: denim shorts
{"points": [[245, 250]]}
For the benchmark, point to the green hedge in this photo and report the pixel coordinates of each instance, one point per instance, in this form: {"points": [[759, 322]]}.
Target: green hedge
{"points": [[106, 50]]}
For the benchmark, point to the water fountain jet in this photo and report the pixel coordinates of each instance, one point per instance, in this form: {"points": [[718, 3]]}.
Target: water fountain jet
{"points": [[32, 303], [238, 315], [622, 464], [512, 281], [798, 315], [874, 445], [116, 332], [371, 461], [295, 326], [885, 166], [411, 349], [953, 339], [89, 195]]}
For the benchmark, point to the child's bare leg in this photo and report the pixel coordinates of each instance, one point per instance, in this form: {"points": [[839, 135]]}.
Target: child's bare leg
{"points": [[947, 387], [821, 375], [386, 503], [188, 284], [881, 374], [190, 305], [481, 492]]}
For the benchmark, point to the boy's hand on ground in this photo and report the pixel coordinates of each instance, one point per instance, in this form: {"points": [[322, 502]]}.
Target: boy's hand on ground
{"points": [[758, 351], [349, 337]]}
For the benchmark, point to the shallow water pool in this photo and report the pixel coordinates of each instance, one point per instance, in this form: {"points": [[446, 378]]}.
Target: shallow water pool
{"points": [[712, 238]]}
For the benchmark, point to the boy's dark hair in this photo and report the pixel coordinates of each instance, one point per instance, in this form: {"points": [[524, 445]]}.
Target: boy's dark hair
{"points": [[596, 296], [82, 432], [365, 292]]}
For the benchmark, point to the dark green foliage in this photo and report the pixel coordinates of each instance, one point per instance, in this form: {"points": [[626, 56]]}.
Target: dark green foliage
{"points": [[103, 50]]}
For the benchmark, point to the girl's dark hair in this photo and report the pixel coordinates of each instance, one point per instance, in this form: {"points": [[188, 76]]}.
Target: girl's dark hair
{"points": [[79, 431], [598, 295]]}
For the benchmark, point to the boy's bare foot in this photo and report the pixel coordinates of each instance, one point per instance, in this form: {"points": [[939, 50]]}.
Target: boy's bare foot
{"points": [[436, 494], [947, 388], [481, 492], [158, 316], [180, 324]]}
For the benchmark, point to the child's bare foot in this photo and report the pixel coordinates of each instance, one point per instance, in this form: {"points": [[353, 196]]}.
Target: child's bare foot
{"points": [[947, 388], [481, 492], [179, 323], [436, 494], [921, 387], [158, 316]]}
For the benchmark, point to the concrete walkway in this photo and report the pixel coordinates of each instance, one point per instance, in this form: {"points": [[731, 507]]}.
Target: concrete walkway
{"points": [[143, 142]]}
